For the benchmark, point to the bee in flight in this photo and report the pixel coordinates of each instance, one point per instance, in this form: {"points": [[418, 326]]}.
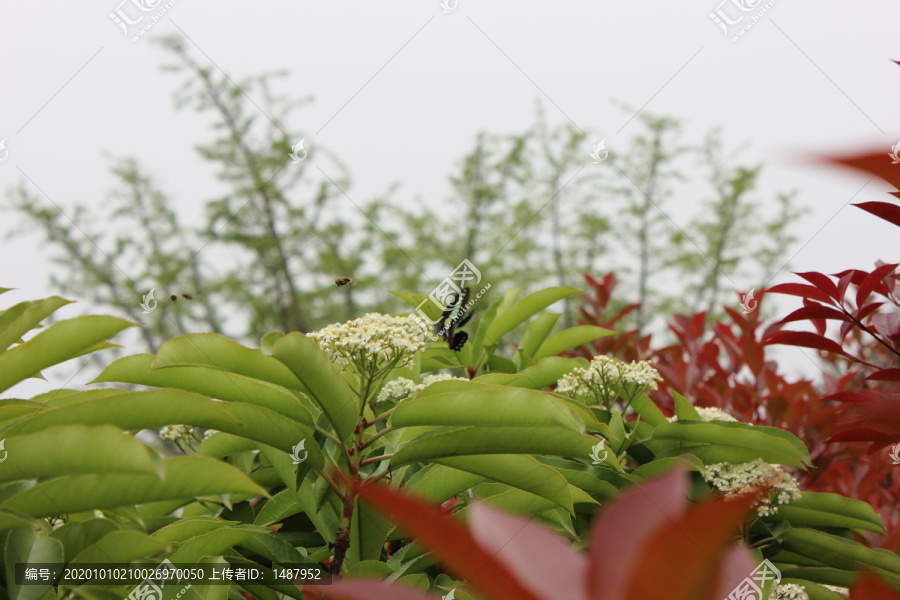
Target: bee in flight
{"points": [[455, 315], [342, 281], [174, 297]]}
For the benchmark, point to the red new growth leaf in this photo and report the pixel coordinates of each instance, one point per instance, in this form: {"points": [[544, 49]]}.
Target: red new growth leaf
{"points": [[805, 339], [870, 587], [815, 311], [802, 290], [876, 163], [822, 282], [689, 554], [872, 280], [888, 212], [450, 541]]}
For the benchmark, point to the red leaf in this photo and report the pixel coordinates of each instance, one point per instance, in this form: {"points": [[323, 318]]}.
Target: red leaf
{"points": [[877, 163], [802, 290], [619, 534], [815, 311], [885, 375], [883, 210], [872, 280], [804, 339], [688, 553], [865, 311], [450, 541], [870, 587], [851, 397], [887, 324], [822, 282], [556, 571], [862, 435]]}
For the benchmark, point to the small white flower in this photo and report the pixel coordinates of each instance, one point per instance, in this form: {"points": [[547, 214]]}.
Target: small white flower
{"points": [[429, 379], [737, 480], [372, 340], [605, 375], [788, 591], [710, 414], [175, 433], [398, 390]]}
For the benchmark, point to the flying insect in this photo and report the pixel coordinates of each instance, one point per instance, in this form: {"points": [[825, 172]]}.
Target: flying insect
{"points": [[456, 315]]}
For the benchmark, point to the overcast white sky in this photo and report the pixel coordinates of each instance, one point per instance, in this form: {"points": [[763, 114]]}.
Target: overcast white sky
{"points": [[401, 89]]}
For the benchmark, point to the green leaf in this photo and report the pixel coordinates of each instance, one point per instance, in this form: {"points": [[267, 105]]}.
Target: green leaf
{"points": [[209, 382], [76, 449], [24, 546], [523, 310], [513, 500], [281, 506], [189, 527], [325, 385], [218, 352], [816, 509], [570, 338], [215, 542], [468, 403], [464, 441], [186, 477], [546, 372], [722, 441], [119, 547], [18, 320], [272, 547], [368, 533], [519, 471], [841, 553], [438, 483], [536, 332], [58, 343], [148, 410], [684, 410]]}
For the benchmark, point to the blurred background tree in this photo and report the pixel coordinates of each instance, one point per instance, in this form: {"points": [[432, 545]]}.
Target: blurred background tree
{"points": [[527, 208]]}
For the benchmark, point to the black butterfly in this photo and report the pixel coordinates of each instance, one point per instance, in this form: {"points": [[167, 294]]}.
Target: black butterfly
{"points": [[455, 315]]}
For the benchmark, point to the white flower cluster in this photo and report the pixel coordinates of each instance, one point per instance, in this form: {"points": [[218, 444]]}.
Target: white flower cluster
{"points": [[176, 433], [398, 390], [737, 480], [600, 379], [710, 414], [788, 591], [372, 340], [401, 389]]}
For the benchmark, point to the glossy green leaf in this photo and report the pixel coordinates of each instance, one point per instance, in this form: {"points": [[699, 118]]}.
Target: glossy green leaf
{"points": [[519, 471], [570, 338], [523, 310], [152, 409], [325, 385], [218, 352], [841, 553], [119, 547], [466, 403], [816, 509], [214, 542], [186, 477], [24, 546], [536, 332], [209, 382], [463, 441], [721, 441], [438, 483], [76, 449], [18, 320], [57, 343]]}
